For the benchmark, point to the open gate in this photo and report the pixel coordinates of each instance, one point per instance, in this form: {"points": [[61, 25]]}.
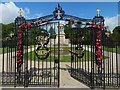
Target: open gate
{"points": [[94, 57], [33, 53]]}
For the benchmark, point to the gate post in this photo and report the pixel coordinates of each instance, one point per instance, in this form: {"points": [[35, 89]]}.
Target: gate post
{"points": [[19, 28], [98, 26]]}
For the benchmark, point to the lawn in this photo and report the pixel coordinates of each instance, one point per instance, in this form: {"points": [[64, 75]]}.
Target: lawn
{"points": [[7, 49], [65, 57], [112, 49], [109, 49], [66, 49]]}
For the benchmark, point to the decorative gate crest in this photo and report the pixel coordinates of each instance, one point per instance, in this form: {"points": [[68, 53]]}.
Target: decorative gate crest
{"points": [[42, 51]]}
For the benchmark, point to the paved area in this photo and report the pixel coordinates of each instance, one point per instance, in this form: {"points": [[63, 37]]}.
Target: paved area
{"points": [[67, 81]]}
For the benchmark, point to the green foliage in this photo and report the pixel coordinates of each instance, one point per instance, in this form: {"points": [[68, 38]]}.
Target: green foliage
{"points": [[77, 35], [32, 35], [7, 30], [116, 33], [80, 35], [67, 29], [52, 33]]}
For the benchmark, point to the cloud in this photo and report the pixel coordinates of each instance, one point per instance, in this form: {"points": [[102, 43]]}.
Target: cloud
{"points": [[9, 11], [111, 22]]}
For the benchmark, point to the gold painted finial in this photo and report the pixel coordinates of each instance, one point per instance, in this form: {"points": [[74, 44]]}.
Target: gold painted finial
{"points": [[20, 11], [98, 11]]}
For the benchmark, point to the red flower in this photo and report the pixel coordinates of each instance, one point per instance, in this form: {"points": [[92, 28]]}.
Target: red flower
{"points": [[19, 42], [22, 26], [72, 22], [98, 40], [99, 59], [98, 26], [94, 26], [19, 31], [19, 60], [101, 26], [29, 25], [99, 47], [97, 43], [98, 52], [19, 47], [19, 53]]}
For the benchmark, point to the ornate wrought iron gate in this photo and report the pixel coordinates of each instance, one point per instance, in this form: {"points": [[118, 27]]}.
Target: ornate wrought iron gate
{"points": [[33, 52], [34, 60], [95, 59]]}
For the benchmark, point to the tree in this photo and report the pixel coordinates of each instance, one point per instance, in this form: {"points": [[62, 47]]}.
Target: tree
{"points": [[77, 34], [52, 33], [32, 34], [116, 33], [67, 30], [7, 29]]}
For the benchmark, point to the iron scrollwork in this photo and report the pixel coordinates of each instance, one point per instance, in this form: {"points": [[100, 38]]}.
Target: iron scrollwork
{"points": [[79, 52], [42, 50]]}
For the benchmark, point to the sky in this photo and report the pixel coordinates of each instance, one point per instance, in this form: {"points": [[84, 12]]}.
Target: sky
{"points": [[109, 10], [80, 9]]}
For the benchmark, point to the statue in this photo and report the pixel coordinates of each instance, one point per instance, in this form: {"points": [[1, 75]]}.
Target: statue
{"points": [[62, 35]]}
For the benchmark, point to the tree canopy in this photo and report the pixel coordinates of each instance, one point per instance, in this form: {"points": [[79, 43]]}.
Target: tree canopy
{"points": [[7, 29], [116, 33]]}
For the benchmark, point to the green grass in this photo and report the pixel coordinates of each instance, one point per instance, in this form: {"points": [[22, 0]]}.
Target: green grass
{"points": [[55, 50], [112, 49], [8, 50], [1, 50], [109, 49], [65, 57], [86, 57]]}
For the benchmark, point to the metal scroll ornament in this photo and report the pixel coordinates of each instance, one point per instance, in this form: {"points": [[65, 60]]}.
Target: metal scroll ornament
{"points": [[79, 51], [42, 38]]}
